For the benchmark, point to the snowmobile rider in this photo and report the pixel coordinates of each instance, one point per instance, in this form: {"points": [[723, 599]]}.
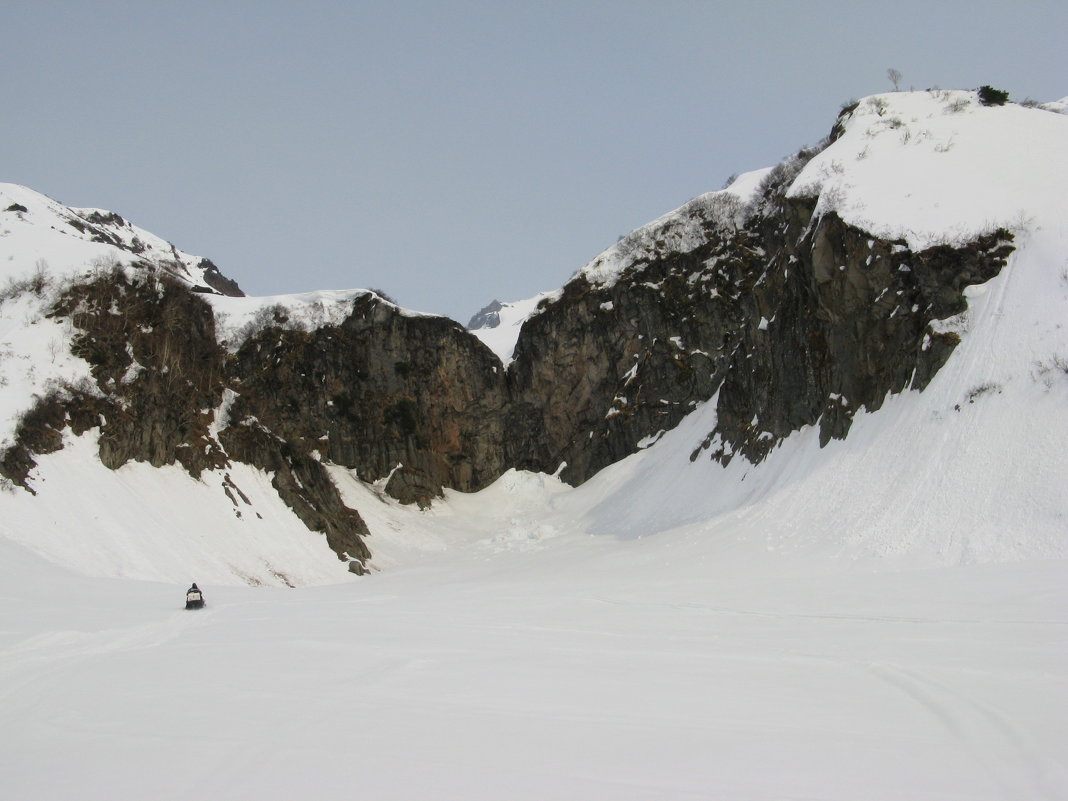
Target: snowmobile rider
{"points": [[194, 599]]}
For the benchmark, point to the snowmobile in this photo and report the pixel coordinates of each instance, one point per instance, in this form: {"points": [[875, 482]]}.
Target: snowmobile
{"points": [[194, 598]]}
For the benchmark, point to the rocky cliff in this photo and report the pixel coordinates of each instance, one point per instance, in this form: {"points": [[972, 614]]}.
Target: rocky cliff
{"points": [[784, 318], [765, 302]]}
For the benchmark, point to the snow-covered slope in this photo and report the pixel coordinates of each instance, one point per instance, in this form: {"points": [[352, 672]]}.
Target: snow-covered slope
{"points": [[43, 240], [678, 231], [45, 246], [38, 234], [501, 338], [508, 654], [973, 468]]}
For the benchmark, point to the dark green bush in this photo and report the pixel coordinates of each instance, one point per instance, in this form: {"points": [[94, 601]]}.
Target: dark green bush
{"points": [[989, 96]]}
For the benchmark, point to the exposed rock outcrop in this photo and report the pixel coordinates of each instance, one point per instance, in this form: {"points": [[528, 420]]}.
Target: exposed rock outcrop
{"points": [[158, 370], [792, 321], [489, 316], [413, 398]]}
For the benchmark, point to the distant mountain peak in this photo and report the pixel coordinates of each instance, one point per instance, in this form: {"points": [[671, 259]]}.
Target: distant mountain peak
{"points": [[487, 317]]}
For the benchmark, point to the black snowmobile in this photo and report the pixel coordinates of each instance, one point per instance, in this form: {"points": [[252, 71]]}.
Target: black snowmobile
{"points": [[194, 598]]}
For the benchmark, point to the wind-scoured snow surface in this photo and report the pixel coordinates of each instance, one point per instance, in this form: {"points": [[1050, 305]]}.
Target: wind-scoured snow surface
{"points": [[884, 618]]}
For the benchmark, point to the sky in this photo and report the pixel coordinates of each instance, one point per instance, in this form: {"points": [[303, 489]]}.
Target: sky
{"points": [[450, 153]]}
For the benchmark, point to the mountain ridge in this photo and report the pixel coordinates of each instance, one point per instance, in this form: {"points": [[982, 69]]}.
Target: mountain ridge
{"points": [[769, 303]]}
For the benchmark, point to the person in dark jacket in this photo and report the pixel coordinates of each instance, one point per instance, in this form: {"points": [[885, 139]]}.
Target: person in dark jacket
{"points": [[194, 598]]}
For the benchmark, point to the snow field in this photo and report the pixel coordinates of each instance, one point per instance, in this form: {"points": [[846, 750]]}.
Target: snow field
{"points": [[598, 670]]}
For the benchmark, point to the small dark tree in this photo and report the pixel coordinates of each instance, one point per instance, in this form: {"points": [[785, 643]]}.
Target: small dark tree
{"points": [[989, 96], [895, 78]]}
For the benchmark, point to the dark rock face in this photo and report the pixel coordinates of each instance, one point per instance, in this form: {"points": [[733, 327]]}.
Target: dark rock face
{"points": [[792, 321], [304, 485], [602, 368], [158, 375], [782, 319], [158, 370], [845, 319], [410, 398], [414, 398], [219, 282], [39, 431], [488, 317]]}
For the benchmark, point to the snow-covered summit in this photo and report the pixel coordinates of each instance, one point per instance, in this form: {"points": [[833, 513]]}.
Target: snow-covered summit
{"points": [[38, 233], [40, 236], [939, 167]]}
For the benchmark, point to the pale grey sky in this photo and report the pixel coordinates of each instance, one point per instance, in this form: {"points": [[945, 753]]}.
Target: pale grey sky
{"points": [[453, 152]]}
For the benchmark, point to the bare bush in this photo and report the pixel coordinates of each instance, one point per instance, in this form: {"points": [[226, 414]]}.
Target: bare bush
{"points": [[982, 389], [275, 316], [36, 283], [1047, 371], [773, 186], [879, 105]]}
